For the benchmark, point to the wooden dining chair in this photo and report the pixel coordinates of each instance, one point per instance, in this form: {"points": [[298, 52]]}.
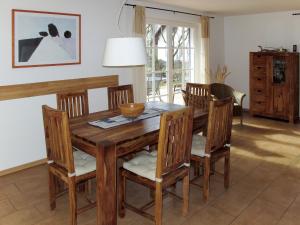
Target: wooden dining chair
{"points": [[119, 95], [71, 167], [220, 91], [161, 169], [197, 95], [74, 103], [216, 145]]}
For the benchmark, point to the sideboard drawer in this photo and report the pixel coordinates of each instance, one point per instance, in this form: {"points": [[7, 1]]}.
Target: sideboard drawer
{"points": [[258, 106], [259, 59], [258, 83], [258, 98], [258, 91], [259, 71]]}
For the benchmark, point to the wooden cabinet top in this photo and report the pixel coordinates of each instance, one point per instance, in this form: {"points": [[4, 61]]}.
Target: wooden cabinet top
{"points": [[276, 53]]}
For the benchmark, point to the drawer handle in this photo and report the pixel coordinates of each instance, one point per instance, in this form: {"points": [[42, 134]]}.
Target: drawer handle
{"points": [[259, 91], [258, 78]]}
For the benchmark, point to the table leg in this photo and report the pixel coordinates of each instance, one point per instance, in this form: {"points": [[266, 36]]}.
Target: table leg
{"points": [[106, 184]]}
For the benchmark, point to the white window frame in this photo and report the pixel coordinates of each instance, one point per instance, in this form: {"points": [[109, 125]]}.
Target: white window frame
{"points": [[196, 36]]}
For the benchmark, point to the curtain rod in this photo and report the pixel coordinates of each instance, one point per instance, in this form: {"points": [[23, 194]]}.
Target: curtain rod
{"points": [[169, 10]]}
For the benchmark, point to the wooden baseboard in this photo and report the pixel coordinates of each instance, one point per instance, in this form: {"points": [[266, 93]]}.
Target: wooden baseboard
{"points": [[22, 167]]}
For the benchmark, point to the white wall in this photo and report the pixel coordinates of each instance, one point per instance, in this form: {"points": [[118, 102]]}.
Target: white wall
{"points": [[244, 33], [21, 126], [217, 54]]}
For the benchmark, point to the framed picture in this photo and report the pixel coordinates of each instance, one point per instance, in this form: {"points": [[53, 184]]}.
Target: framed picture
{"points": [[45, 38]]}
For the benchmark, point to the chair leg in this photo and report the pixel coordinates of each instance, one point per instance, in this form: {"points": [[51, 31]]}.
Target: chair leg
{"points": [[241, 118], [158, 203], [89, 186], [82, 187], [185, 190], [72, 201], [52, 191], [206, 178], [122, 193], [212, 167], [151, 193], [227, 171], [196, 169]]}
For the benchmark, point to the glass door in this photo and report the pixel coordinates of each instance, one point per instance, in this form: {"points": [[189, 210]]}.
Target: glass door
{"points": [[170, 53]]}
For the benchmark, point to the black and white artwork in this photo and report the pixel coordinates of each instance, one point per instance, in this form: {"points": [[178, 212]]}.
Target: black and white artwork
{"points": [[45, 38]]}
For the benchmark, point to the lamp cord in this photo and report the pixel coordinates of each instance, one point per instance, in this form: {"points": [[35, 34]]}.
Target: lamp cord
{"points": [[119, 16]]}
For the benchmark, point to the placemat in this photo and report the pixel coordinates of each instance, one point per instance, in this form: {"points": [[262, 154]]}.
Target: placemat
{"points": [[120, 120]]}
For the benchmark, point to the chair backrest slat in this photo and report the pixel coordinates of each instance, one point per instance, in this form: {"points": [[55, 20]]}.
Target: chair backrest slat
{"points": [[119, 95], [57, 135], [175, 137], [197, 95], [219, 124], [74, 103]]}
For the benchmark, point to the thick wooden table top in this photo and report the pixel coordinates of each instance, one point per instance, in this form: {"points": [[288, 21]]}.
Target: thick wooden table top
{"points": [[81, 130], [109, 144]]}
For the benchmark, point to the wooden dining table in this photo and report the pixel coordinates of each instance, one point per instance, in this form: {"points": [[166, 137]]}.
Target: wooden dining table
{"points": [[107, 145]]}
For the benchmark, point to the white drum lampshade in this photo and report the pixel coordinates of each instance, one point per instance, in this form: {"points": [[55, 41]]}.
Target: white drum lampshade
{"points": [[128, 51]]}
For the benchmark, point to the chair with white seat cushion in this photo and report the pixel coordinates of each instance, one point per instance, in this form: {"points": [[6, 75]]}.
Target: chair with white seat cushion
{"points": [[72, 167], [143, 164], [83, 162], [207, 150], [162, 169], [76, 104]]}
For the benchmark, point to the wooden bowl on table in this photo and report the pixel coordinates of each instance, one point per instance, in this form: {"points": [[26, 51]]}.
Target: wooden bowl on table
{"points": [[132, 110]]}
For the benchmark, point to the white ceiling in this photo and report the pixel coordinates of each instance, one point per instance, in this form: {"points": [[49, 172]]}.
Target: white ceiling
{"points": [[234, 7]]}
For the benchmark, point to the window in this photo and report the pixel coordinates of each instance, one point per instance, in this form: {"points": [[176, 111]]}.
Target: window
{"points": [[170, 52]]}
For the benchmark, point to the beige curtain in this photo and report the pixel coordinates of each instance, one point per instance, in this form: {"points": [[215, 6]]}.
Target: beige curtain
{"points": [[204, 50], [139, 81]]}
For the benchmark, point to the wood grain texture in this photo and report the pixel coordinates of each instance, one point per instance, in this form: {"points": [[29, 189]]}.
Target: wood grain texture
{"points": [[124, 139], [173, 158], [128, 133], [57, 133], [61, 160], [218, 140], [106, 184], [270, 99], [52, 87], [198, 95], [119, 95], [74, 103]]}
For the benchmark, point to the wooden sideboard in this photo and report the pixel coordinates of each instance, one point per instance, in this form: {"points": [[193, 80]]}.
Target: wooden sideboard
{"points": [[274, 85]]}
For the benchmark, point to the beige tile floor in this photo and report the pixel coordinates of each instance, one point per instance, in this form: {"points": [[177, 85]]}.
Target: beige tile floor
{"points": [[264, 190]]}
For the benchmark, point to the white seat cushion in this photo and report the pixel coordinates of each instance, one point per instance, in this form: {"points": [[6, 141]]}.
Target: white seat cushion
{"points": [[83, 162], [143, 164], [198, 146]]}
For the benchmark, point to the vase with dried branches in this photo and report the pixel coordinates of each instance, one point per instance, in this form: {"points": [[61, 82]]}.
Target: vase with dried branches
{"points": [[221, 74]]}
